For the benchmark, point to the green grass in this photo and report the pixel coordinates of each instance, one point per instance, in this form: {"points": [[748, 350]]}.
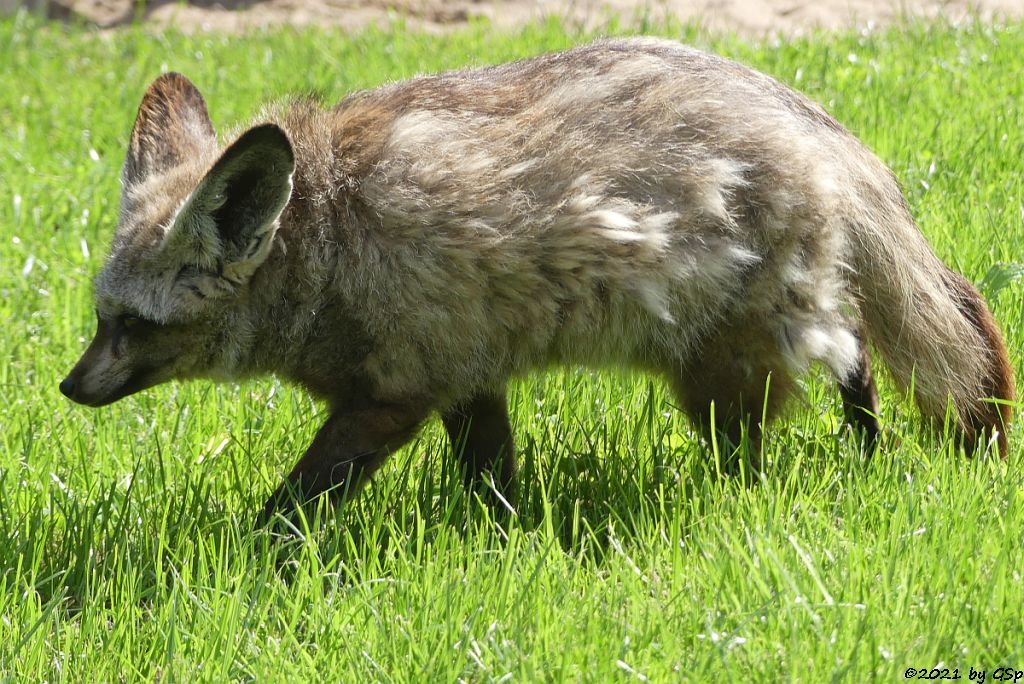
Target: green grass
{"points": [[125, 545]]}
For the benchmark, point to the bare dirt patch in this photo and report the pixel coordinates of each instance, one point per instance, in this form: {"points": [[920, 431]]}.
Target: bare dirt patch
{"points": [[751, 18]]}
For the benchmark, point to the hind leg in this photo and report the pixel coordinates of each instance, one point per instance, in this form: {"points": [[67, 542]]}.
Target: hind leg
{"points": [[481, 436], [860, 400]]}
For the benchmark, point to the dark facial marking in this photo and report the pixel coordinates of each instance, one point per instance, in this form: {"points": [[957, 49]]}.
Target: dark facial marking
{"points": [[125, 324]]}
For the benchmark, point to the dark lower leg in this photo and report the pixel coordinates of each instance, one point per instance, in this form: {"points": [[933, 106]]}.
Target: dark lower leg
{"points": [[344, 453], [735, 433], [729, 395], [481, 436], [726, 419], [860, 401]]}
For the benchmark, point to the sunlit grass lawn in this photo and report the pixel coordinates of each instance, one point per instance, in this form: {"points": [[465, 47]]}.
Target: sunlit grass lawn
{"points": [[125, 545]]}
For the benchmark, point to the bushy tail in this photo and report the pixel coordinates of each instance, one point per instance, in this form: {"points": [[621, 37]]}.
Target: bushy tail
{"points": [[931, 325]]}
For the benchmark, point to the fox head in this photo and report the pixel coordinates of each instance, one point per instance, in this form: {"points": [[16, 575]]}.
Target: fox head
{"points": [[196, 223]]}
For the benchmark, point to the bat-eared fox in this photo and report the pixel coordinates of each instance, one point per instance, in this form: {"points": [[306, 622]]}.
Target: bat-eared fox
{"points": [[632, 202]]}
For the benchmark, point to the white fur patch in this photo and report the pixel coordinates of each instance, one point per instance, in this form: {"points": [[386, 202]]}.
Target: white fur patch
{"points": [[582, 92], [418, 128], [518, 169], [718, 181], [836, 347], [655, 299]]}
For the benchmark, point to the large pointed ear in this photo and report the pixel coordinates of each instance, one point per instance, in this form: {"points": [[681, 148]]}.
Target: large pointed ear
{"points": [[226, 226], [172, 125]]}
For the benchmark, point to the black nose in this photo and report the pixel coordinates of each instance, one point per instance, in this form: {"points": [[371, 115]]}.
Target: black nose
{"points": [[67, 388]]}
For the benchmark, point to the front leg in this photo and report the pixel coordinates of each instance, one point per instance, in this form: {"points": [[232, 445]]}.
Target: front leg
{"points": [[349, 447], [481, 436]]}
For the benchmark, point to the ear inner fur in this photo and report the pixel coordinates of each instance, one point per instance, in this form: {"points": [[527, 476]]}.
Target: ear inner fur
{"points": [[227, 223]]}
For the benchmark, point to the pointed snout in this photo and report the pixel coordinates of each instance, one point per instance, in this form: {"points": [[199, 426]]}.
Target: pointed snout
{"points": [[84, 388], [94, 378], [74, 388], [109, 371], [100, 379]]}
